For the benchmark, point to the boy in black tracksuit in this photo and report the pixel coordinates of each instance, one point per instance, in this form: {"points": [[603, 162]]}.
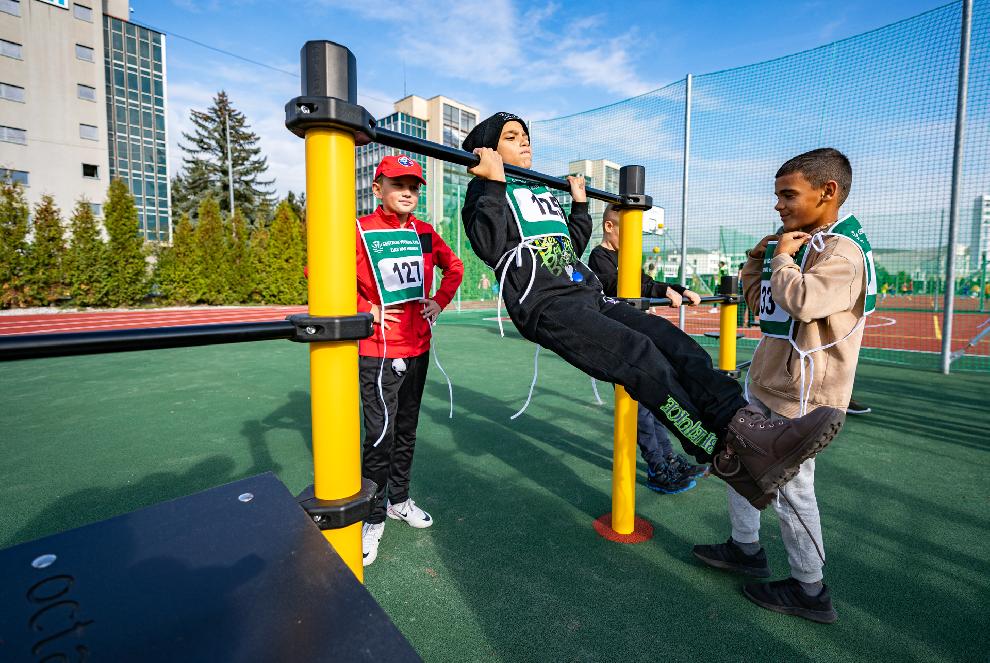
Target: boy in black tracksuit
{"points": [[518, 229]]}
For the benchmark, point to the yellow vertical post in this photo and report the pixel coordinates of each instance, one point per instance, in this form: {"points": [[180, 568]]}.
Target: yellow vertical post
{"points": [[624, 450], [727, 330], [330, 237]]}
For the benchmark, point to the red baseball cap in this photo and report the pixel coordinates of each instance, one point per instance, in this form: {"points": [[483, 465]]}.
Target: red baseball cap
{"points": [[397, 166]]}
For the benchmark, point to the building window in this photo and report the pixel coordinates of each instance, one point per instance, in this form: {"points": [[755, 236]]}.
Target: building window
{"points": [[82, 12], [89, 132], [91, 171], [86, 92], [12, 135], [84, 53], [10, 49], [11, 92], [96, 209], [18, 176], [12, 7]]}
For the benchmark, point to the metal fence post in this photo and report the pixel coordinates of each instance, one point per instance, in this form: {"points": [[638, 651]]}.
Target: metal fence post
{"points": [[684, 190]]}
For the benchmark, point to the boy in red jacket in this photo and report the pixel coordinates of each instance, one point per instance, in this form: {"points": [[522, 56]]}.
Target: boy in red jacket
{"points": [[396, 254]]}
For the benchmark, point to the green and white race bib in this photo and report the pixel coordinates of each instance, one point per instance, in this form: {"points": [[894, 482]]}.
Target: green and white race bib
{"points": [[396, 257], [775, 321], [536, 210]]}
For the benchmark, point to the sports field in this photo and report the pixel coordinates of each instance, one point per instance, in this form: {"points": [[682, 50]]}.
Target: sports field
{"points": [[513, 570]]}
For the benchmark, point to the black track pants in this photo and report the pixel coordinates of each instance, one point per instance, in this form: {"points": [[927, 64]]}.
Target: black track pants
{"points": [[659, 365], [390, 463]]}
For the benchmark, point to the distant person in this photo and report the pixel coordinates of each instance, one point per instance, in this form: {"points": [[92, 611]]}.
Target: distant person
{"points": [[667, 472], [520, 230], [814, 285], [484, 285], [396, 254]]}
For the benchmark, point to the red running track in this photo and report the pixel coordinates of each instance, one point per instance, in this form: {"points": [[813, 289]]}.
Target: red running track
{"points": [[894, 330]]}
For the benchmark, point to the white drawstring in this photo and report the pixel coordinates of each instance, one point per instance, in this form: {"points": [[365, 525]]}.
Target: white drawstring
{"points": [[517, 254], [381, 369], [436, 360], [536, 372], [806, 354], [594, 388]]}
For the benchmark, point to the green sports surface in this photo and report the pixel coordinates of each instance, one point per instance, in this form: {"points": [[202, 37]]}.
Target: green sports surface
{"points": [[512, 570]]}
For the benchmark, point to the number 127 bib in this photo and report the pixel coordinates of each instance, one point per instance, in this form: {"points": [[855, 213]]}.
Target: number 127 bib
{"points": [[396, 258]]}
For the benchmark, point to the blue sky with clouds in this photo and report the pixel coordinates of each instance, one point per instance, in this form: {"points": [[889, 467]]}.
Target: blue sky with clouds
{"points": [[542, 60]]}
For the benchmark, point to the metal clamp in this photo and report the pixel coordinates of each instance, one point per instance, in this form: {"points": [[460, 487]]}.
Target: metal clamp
{"points": [[636, 201], [312, 329], [303, 113], [339, 513]]}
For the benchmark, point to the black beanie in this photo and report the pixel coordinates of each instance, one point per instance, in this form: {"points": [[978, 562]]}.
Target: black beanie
{"points": [[486, 133]]}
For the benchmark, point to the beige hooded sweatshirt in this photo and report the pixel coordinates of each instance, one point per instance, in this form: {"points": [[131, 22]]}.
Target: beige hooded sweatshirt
{"points": [[826, 302]]}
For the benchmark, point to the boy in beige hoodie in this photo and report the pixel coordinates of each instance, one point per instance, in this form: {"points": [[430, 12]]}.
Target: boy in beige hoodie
{"points": [[813, 285]]}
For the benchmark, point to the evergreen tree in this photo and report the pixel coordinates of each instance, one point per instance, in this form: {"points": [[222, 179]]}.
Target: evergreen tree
{"points": [[285, 282], [43, 265], [13, 247], [85, 259], [258, 263], [298, 204], [211, 249], [238, 253], [178, 273], [127, 270], [205, 161]]}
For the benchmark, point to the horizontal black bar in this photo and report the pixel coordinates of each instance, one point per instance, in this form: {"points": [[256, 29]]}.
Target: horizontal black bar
{"points": [[453, 155], [664, 301], [35, 346]]}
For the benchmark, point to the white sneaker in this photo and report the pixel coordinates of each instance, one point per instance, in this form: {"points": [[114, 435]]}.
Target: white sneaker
{"points": [[409, 512], [371, 534]]}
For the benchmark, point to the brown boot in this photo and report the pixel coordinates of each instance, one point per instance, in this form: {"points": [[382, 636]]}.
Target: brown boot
{"points": [[727, 467], [772, 453]]}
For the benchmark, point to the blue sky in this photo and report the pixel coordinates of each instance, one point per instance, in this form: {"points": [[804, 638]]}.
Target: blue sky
{"points": [[541, 60]]}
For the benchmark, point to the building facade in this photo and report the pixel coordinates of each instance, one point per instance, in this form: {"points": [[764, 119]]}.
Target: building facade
{"points": [[82, 100], [134, 58], [367, 158]]}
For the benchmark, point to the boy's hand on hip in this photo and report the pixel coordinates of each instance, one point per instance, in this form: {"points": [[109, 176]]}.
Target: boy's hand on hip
{"points": [[390, 314], [693, 298], [430, 310], [760, 250], [789, 243], [490, 166], [578, 192], [674, 297]]}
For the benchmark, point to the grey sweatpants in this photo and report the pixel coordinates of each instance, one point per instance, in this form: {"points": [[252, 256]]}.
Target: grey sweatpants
{"points": [[805, 563]]}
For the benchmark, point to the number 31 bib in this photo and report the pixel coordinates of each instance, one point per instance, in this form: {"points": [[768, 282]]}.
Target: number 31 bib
{"points": [[397, 262]]}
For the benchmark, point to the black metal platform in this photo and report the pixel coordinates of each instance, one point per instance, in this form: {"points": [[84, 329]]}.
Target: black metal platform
{"points": [[235, 573]]}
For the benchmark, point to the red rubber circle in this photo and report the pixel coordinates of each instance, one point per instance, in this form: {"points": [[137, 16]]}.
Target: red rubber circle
{"points": [[642, 530]]}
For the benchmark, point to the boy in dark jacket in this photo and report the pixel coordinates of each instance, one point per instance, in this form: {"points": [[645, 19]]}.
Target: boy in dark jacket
{"points": [[519, 230]]}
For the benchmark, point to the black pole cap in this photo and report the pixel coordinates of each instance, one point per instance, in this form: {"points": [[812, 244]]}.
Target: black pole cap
{"points": [[328, 70], [632, 188]]}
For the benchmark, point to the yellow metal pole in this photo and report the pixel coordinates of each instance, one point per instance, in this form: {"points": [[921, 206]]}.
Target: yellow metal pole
{"points": [[727, 336], [333, 365], [624, 451]]}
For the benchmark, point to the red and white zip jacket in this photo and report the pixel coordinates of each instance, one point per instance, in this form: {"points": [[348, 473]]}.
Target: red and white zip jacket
{"points": [[410, 336]]}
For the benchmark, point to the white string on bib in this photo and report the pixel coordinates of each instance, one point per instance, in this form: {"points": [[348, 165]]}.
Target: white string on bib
{"points": [[436, 360], [536, 372], [517, 254]]}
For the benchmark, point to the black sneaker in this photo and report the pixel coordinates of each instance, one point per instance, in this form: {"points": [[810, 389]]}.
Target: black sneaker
{"points": [[787, 597], [857, 408], [730, 557], [685, 468], [667, 480]]}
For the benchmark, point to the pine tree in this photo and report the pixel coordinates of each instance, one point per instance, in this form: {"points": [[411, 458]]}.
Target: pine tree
{"points": [[258, 263], [211, 249], [85, 259], [13, 247], [127, 272], [178, 273], [43, 264], [298, 204], [285, 281], [238, 253], [205, 161]]}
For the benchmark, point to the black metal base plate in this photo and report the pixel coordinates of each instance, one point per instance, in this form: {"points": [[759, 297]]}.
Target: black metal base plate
{"points": [[215, 576]]}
